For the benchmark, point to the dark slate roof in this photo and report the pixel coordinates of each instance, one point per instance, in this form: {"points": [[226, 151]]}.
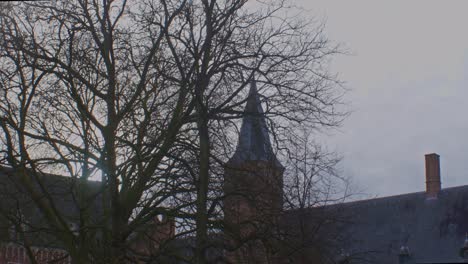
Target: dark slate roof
{"points": [[254, 141], [433, 229], [62, 190]]}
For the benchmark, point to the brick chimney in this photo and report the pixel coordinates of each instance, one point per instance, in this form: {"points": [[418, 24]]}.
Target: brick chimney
{"points": [[433, 184]]}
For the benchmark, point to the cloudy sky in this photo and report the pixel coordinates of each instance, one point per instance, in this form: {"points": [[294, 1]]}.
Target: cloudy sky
{"points": [[408, 81]]}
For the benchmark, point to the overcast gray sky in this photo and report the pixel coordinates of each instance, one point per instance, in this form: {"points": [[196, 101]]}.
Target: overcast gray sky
{"points": [[408, 86]]}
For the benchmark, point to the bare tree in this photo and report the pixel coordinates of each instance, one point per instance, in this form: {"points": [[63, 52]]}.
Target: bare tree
{"points": [[313, 176], [146, 97], [315, 188]]}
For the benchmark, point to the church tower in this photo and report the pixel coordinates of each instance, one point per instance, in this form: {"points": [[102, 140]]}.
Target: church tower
{"points": [[253, 187]]}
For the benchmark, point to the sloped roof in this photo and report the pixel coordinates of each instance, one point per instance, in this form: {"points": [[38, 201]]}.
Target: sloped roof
{"points": [[15, 199], [433, 229]]}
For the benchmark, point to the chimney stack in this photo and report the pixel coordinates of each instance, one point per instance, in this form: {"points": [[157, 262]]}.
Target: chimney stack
{"points": [[433, 184]]}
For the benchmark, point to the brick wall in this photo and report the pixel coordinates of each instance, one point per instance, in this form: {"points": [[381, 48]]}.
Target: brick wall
{"points": [[15, 254]]}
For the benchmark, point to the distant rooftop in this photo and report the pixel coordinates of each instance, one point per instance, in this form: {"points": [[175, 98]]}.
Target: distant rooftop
{"points": [[433, 228]]}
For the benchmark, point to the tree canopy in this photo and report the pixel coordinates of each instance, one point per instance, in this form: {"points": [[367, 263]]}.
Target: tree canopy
{"points": [[146, 97]]}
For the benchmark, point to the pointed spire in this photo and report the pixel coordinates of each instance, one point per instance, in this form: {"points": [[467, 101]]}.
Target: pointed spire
{"points": [[254, 141]]}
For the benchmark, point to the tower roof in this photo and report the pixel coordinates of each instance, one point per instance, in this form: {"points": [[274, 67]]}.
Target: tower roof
{"points": [[254, 141]]}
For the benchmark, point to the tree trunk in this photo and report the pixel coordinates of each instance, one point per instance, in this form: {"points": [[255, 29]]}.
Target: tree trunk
{"points": [[202, 192]]}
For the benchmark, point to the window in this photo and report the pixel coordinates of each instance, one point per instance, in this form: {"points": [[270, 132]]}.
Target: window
{"points": [[74, 228], [18, 225]]}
